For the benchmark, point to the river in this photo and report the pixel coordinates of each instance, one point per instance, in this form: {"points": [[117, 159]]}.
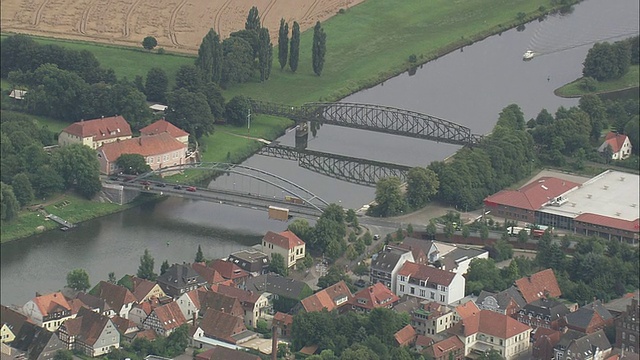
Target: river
{"points": [[469, 86]]}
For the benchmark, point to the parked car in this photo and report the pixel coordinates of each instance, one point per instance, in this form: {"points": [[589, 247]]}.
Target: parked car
{"points": [[161, 184], [145, 182], [178, 187], [360, 283], [191, 188], [376, 237]]}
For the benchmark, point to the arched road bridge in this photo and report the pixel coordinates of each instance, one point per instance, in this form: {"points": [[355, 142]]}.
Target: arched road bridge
{"points": [[374, 118]]}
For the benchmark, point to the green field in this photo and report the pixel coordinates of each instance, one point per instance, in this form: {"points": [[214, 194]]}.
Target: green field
{"points": [[54, 125], [630, 80]]}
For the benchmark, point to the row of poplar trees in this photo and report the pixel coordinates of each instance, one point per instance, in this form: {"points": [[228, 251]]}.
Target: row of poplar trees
{"points": [[318, 50]]}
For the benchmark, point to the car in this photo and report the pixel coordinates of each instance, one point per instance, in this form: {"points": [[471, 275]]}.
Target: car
{"points": [[145, 182], [161, 184], [376, 237], [113, 177], [178, 187], [360, 283], [191, 188]]}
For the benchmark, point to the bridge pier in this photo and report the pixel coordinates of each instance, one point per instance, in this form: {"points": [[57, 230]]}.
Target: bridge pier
{"points": [[117, 194], [302, 135]]}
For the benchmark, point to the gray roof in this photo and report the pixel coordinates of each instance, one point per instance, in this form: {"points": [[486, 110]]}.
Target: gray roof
{"points": [[567, 338], [249, 255], [600, 309], [179, 275], [424, 245], [407, 304], [38, 342], [620, 305], [388, 258], [503, 297], [549, 308], [585, 347], [583, 316], [276, 284], [462, 253]]}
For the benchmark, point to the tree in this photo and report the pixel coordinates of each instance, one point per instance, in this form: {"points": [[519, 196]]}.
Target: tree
{"points": [[367, 238], [278, 265], [399, 234], [209, 59], [319, 48], [352, 253], [301, 228], [191, 112], [149, 43], [199, 255], [253, 20], [145, 270], [334, 275], [78, 279], [79, 167], [409, 229], [22, 189], [490, 355], [283, 43], [466, 231], [238, 61], [265, 54], [237, 110], [63, 355], [132, 164], [431, 230], [523, 236], [213, 94], [484, 232], [190, 78], [164, 267], [294, 48], [112, 278], [632, 129], [422, 184], [389, 197], [9, 205], [156, 85], [503, 249]]}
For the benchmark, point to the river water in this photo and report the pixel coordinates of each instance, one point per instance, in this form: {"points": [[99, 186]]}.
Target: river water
{"points": [[469, 86]]}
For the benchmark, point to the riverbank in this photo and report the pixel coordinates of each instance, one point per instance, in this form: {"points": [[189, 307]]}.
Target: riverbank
{"points": [[574, 89]]}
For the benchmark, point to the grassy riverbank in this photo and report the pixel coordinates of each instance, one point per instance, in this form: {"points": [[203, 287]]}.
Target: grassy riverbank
{"points": [[630, 80]]}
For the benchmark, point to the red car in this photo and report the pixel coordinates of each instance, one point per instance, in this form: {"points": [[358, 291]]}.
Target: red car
{"points": [[145, 183], [191, 188]]}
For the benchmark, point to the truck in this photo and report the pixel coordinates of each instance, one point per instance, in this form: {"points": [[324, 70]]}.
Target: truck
{"points": [[278, 213], [294, 200], [515, 230]]}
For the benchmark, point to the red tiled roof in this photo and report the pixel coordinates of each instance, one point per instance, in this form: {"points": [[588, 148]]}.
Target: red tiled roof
{"points": [[219, 325], [542, 284], [170, 315], [141, 287], [146, 334], [195, 298], [223, 353], [426, 272], [601, 220], [123, 325], [220, 302], [285, 319], [100, 129], [492, 323], [76, 304], [286, 239], [209, 274], [327, 298], [423, 341], [405, 335], [532, 196], [161, 126], [146, 146], [376, 295], [49, 302], [228, 270], [87, 327], [467, 309], [115, 295], [615, 141], [445, 346], [247, 298]]}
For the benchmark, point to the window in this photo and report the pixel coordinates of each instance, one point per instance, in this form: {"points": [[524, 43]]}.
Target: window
{"points": [[413, 290], [422, 293], [401, 288], [403, 278], [442, 298], [433, 295]]}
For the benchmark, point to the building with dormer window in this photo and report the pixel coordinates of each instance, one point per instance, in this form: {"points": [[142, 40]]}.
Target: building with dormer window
{"points": [[95, 133], [429, 283], [179, 279], [48, 311], [286, 244]]}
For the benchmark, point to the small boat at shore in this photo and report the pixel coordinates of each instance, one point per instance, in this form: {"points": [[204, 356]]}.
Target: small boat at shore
{"points": [[528, 55]]}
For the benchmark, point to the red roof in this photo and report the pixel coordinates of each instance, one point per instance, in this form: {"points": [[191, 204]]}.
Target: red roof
{"points": [[375, 296], [228, 270], [542, 284], [146, 146], [427, 273], [170, 315], [446, 346], [283, 318], [286, 239], [405, 336], [467, 309], [615, 141], [329, 298], [601, 220], [533, 195], [161, 126], [209, 274], [246, 298], [51, 302], [141, 287], [492, 323], [100, 129]]}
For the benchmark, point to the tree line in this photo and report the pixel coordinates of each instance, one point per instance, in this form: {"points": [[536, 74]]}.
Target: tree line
{"points": [[607, 61]]}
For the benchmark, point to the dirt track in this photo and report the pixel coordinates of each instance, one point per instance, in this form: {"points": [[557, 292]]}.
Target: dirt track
{"points": [[178, 25]]}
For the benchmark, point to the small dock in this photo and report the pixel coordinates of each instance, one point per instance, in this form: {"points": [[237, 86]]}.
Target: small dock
{"points": [[61, 221]]}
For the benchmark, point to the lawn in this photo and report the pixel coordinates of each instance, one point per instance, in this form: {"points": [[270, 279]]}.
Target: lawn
{"points": [[54, 125], [629, 80]]}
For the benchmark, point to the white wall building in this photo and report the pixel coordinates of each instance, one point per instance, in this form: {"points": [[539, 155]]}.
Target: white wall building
{"points": [[429, 283]]}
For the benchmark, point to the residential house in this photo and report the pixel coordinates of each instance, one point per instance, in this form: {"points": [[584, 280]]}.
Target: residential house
{"points": [[189, 304], [386, 264], [230, 271], [91, 333], [286, 244], [126, 328], [488, 330], [37, 343], [164, 319], [283, 323], [589, 318], [543, 342], [617, 307], [423, 342], [139, 312], [578, 346], [159, 151], [431, 318], [221, 326], [179, 279], [374, 296], [285, 293], [92, 302], [407, 304], [209, 274], [542, 284], [427, 282], [255, 305], [253, 261], [546, 313], [507, 302], [450, 348], [619, 145], [163, 126], [405, 336], [220, 302], [11, 322], [224, 353], [18, 94], [119, 298], [48, 311], [419, 256], [628, 327], [142, 289], [95, 133], [459, 259], [465, 310], [333, 297]]}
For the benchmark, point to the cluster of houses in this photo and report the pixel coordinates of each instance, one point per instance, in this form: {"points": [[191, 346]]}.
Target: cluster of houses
{"points": [[162, 144], [223, 301]]}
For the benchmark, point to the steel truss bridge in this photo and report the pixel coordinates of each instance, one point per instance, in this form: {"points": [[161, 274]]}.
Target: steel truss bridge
{"points": [[378, 118]]}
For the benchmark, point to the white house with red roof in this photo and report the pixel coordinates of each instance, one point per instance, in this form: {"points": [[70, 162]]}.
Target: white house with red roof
{"points": [[90, 333], [488, 330], [95, 133], [430, 283], [286, 244], [374, 296], [48, 311], [619, 144], [333, 297], [162, 126], [159, 151], [165, 319]]}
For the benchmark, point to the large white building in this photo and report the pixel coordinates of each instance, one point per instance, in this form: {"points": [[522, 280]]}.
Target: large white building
{"points": [[286, 244], [386, 264], [429, 283]]}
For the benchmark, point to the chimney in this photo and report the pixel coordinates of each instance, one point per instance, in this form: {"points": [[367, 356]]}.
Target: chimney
{"points": [[193, 318], [274, 343], [37, 294]]}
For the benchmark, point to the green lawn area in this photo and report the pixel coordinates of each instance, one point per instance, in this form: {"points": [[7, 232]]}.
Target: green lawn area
{"points": [[629, 80], [54, 125]]}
